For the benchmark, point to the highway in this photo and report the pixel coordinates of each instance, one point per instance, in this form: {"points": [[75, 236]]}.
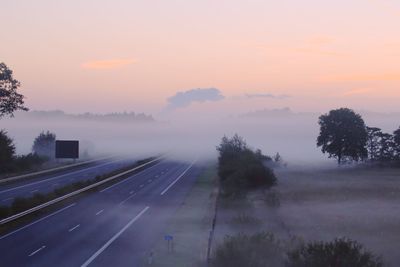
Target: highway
{"points": [[116, 226], [47, 183]]}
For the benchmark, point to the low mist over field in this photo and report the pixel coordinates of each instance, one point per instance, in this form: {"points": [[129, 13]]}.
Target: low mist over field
{"points": [[185, 131]]}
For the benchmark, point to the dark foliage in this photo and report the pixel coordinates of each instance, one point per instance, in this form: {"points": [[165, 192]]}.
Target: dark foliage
{"points": [[10, 100], [343, 135], [7, 150], [240, 168], [338, 253]]}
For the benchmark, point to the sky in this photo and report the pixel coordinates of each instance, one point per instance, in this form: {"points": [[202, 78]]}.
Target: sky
{"points": [[131, 55]]}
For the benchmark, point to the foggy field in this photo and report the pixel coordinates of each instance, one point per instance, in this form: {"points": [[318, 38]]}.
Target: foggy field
{"points": [[361, 204]]}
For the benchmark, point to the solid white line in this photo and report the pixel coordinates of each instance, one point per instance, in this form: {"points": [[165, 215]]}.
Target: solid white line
{"points": [[73, 228], [127, 179], [177, 179], [36, 251], [56, 177], [109, 242], [35, 222], [99, 212]]}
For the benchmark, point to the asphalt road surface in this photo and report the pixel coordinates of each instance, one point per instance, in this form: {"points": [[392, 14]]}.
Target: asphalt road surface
{"points": [[114, 227], [48, 183]]}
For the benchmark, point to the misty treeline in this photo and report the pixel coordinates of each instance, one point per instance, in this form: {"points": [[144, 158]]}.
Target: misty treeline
{"points": [[345, 136], [108, 117], [43, 150], [240, 168]]}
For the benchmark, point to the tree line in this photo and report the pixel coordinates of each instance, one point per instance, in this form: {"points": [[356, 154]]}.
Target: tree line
{"points": [[345, 136]]}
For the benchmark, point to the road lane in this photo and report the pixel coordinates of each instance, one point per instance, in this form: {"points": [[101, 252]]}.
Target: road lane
{"points": [[100, 216], [48, 183]]}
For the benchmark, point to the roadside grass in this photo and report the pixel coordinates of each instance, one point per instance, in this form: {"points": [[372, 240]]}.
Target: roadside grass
{"points": [[191, 226]]}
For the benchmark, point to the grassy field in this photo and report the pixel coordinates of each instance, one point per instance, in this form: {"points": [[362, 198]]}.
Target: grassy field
{"points": [[191, 226], [316, 204]]}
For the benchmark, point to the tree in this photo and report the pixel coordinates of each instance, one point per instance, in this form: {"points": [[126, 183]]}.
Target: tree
{"points": [[373, 142], [7, 150], [386, 147], [44, 145], [343, 135], [10, 100], [396, 143]]}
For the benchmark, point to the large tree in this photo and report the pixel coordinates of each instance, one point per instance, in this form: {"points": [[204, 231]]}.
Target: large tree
{"points": [[343, 135], [10, 99]]}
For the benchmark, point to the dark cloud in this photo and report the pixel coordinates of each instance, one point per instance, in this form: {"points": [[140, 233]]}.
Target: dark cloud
{"points": [[267, 95], [184, 99]]}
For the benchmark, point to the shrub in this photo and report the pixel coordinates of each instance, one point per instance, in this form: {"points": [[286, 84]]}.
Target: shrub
{"points": [[240, 168], [338, 253]]}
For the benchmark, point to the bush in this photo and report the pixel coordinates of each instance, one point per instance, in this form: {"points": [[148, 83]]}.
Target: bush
{"points": [[338, 253], [244, 219], [240, 168], [258, 250], [7, 151]]}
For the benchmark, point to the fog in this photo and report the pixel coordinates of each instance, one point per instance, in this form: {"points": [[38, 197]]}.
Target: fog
{"points": [[185, 132]]}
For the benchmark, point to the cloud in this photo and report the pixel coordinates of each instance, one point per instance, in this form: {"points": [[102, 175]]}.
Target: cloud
{"points": [[107, 64], [358, 91], [267, 95], [184, 99]]}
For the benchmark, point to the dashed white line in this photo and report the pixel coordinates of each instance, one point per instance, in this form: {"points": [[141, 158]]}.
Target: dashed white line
{"points": [[130, 193], [99, 212], [33, 191], [123, 202], [35, 222], [149, 181], [73, 228], [36, 251], [127, 179], [7, 199], [177, 179], [109, 242], [141, 185]]}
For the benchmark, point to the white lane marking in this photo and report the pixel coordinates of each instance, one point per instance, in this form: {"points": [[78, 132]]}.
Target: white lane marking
{"points": [[109, 242], [99, 212], [123, 202], [35, 222], [177, 179], [55, 184], [36, 251], [149, 181], [141, 185], [156, 176], [130, 193], [73, 228], [127, 179], [56, 177], [36, 190], [7, 199]]}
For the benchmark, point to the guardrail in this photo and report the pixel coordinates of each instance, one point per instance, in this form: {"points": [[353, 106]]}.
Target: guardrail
{"points": [[59, 199], [10, 179]]}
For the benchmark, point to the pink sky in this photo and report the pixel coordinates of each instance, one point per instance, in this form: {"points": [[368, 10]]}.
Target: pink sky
{"points": [[104, 56]]}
